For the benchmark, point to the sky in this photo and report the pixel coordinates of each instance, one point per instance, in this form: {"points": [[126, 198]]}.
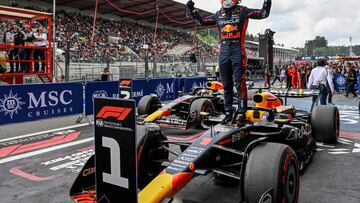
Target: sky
{"points": [[296, 21]]}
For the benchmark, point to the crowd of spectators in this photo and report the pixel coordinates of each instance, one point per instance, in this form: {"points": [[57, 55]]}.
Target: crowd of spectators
{"points": [[118, 39], [350, 70], [20, 44], [296, 76]]}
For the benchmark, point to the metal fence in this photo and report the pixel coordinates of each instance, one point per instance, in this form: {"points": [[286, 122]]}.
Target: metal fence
{"points": [[80, 70]]}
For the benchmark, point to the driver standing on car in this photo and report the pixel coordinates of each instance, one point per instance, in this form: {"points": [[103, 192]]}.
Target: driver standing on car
{"points": [[232, 21]]}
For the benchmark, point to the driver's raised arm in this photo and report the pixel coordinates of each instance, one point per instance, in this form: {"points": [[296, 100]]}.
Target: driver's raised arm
{"points": [[203, 21], [259, 13]]}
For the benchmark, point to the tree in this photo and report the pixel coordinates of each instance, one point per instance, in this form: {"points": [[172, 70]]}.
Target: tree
{"points": [[318, 42]]}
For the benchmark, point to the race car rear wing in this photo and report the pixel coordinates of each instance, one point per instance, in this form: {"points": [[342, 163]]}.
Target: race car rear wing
{"points": [[294, 93]]}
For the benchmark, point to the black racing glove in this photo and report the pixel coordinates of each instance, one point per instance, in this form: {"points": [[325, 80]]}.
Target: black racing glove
{"points": [[191, 5]]}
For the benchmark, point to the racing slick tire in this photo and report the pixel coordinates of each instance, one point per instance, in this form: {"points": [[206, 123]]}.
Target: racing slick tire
{"points": [[150, 153], [198, 106], [148, 104], [325, 123], [272, 174]]}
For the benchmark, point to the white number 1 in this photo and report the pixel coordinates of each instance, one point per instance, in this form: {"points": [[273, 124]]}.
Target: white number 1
{"points": [[114, 177]]}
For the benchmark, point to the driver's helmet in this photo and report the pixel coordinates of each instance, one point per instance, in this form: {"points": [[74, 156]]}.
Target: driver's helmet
{"points": [[229, 3], [203, 92]]}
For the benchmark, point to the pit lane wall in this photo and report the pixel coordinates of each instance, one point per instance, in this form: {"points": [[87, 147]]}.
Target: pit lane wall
{"points": [[24, 103]]}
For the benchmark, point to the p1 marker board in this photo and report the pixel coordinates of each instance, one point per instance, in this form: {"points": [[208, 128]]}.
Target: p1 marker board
{"points": [[115, 149]]}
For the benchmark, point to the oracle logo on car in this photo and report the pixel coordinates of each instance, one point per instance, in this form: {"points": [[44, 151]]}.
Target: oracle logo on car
{"points": [[119, 113]]}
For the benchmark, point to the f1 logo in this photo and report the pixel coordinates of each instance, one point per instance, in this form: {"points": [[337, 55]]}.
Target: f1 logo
{"points": [[115, 112]]}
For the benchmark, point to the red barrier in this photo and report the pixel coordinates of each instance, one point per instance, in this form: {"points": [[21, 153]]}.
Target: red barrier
{"points": [[9, 46]]}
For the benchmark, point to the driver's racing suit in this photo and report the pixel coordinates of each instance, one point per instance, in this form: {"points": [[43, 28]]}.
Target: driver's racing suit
{"points": [[232, 24]]}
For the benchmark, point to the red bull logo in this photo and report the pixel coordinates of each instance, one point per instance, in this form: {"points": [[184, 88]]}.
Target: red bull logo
{"points": [[229, 28]]}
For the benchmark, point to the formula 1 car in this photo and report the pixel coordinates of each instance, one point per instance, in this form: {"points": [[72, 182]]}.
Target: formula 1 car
{"points": [[187, 111], [265, 152], [180, 113]]}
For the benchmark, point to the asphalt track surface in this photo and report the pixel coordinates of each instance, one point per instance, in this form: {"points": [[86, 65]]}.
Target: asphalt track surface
{"points": [[41, 166]]}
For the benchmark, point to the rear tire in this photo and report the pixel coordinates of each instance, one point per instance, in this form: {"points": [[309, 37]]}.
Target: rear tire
{"points": [[325, 123], [272, 174], [198, 106], [148, 104], [150, 153]]}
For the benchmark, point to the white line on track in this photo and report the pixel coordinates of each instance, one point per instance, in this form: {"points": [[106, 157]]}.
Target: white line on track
{"points": [[338, 152], [320, 144], [345, 140], [340, 149], [357, 150], [42, 151], [44, 132], [347, 143]]}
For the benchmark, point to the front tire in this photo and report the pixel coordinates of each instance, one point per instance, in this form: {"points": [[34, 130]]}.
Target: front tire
{"points": [[148, 104], [325, 123], [198, 106], [150, 153], [272, 174]]}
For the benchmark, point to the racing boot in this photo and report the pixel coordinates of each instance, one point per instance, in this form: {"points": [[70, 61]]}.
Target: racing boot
{"points": [[228, 118], [240, 116]]}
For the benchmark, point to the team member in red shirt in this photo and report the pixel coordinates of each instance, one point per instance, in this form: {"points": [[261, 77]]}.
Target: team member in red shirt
{"points": [[294, 77]]}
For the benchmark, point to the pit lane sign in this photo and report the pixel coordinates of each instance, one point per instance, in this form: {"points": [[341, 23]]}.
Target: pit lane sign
{"points": [[115, 154]]}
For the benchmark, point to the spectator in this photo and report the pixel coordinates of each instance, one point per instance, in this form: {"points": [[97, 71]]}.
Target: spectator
{"points": [[351, 81], [267, 76], [302, 73], [283, 76], [26, 53], [307, 72], [277, 75], [13, 53], [319, 78], [105, 75], [289, 78], [39, 54], [331, 74], [294, 77]]}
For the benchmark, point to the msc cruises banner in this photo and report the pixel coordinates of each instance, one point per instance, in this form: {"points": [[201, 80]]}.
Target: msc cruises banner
{"points": [[21, 103], [339, 82], [163, 88], [100, 90], [191, 83]]}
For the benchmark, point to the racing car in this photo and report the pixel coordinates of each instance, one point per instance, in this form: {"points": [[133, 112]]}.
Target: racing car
{"points": [[181, 113], [265, 152]]}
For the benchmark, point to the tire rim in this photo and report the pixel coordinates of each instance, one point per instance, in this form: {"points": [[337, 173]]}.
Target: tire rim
{"points": [[208, 109], [291, 183]]}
